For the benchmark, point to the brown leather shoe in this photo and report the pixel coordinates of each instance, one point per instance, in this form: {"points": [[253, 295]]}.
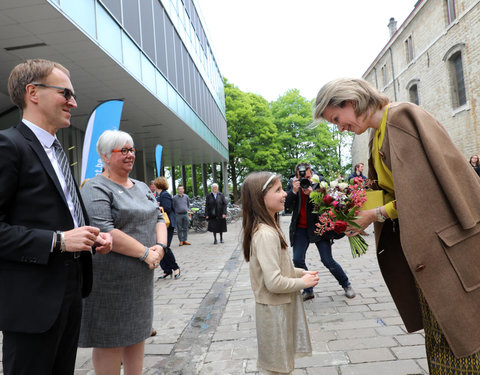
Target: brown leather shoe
{"points": [[181, 244], [186, 243], [154, 332]]}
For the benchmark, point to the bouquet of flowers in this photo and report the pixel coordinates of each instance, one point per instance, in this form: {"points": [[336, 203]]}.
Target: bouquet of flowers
{"points": [[338, 204]]}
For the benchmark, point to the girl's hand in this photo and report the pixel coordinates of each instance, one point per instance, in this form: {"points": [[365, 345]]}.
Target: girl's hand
{"points": [[309, 272], [310, 280], [367, 217]]}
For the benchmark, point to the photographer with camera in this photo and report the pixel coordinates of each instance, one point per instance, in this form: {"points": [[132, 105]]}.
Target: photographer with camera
{"points": [[302, 229]]}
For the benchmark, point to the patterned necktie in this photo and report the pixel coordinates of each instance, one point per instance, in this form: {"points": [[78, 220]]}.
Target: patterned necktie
{"points": [[64, 165]]}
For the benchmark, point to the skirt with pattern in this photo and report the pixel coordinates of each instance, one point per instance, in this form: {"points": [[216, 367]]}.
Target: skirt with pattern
{"points": [[441, 360]]}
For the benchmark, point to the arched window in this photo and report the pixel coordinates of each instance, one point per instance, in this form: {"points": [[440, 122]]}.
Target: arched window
{"points": [[412, 88], [454, 60], [413, 93], [456, 66]]}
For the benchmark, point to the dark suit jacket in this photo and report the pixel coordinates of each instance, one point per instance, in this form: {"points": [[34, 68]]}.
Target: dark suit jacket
{"points": [[32, 207]]}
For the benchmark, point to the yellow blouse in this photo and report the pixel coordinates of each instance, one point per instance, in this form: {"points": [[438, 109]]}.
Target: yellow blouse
{"points": [[385, 178]]}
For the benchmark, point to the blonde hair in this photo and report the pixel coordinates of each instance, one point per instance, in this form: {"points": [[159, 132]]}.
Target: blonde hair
{"points": [[366, 98], [254, 210], [36, 70]]}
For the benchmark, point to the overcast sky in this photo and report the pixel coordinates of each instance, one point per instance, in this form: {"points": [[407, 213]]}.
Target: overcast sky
{"points": [[270, 46]]}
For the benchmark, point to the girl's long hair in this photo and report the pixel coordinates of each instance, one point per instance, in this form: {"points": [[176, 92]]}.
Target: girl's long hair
{"points": [[254, 211]]}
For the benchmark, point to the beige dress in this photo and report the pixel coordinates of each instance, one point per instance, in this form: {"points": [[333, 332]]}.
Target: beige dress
{"points": [[282, 330]]}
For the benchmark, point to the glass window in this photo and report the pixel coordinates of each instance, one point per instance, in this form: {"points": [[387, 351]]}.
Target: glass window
{"points": [[172, 98], [409, 49], [131, 56], [115, 7], [160, 37], [148, 40], [458, 81], [384, 74], [83, 13], [170, 52], [109, 34], [413, 93], [162, 91], [148, 73], [131, 19], [451, 14], [179, 64]]}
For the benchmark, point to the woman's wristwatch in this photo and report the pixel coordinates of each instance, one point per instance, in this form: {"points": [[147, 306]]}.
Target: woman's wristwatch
{"points": [[380, 217], [162, 245]]}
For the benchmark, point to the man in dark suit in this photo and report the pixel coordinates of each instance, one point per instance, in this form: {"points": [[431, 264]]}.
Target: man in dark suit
{"points": [[45, 246]]}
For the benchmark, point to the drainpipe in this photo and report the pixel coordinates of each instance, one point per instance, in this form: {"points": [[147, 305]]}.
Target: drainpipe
{"points": [[393, 74]]}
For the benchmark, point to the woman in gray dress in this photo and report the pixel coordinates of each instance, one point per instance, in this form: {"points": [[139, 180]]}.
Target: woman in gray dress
{"points": [[118, 314]]}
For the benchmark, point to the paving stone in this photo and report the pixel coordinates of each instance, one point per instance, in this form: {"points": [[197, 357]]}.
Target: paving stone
{"points": [[370, 355], [411, 339], [362, 343], [406, 352], [400, 367]]}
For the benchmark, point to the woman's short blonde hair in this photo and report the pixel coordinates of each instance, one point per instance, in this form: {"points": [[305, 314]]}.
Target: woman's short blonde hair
{"points": [[366, 98]]}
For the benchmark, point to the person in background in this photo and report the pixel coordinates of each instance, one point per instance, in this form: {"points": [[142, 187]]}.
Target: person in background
{"points": [[169, 264], [428, 230], [216, 213], [475, 163], [46, 251], [118, 314], [282, 329], [153, 188], [357, 172], [181, 205], [302, 232]]}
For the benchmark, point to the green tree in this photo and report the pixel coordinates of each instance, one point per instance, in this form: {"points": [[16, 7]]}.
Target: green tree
{"points": [[301, 140], [252, 135]]}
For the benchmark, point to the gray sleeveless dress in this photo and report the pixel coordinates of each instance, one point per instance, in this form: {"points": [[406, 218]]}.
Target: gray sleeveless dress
{"points": [[119, 311]]}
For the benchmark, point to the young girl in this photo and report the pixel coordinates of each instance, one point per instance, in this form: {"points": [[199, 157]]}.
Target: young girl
{"points": [[282, 329]]}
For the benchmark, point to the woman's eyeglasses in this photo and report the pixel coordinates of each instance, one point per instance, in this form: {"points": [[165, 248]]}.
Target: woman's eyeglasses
{"points": [[125, 151], [67, 93]]}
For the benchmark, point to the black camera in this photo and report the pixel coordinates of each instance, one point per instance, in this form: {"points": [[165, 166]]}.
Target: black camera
{"points": [[304, 182]]}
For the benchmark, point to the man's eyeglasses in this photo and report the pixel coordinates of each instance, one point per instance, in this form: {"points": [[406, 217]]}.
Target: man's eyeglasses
{"points": [[67, 93], [125, 151]]}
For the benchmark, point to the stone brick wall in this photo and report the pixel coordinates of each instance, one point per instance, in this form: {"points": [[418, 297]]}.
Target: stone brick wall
{"points": [[434, 41]]}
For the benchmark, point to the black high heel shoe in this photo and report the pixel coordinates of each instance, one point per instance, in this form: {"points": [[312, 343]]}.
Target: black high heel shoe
{"points": [[177, 275], [165, 275]]}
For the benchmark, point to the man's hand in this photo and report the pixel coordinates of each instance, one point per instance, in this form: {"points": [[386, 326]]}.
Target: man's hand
{"points": [[103, 243], [81, 239], [295, 185], [308, 190]]}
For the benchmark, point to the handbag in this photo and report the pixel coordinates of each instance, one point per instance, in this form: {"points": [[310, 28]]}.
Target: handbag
{"points": [[165, 217]]}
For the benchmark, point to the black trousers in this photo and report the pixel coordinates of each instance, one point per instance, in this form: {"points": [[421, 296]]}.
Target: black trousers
{"points": [[54, 351], [168, 262]]}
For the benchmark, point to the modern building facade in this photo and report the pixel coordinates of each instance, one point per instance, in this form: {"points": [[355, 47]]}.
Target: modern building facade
{"points": [[153, 54], [433, 60]]}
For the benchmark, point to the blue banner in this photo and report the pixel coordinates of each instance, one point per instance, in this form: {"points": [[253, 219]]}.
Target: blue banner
{"points": [[158, 159], [105, 116]]}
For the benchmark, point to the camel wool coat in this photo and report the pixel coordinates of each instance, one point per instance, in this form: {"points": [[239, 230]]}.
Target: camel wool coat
{"points": [[436, 243]]}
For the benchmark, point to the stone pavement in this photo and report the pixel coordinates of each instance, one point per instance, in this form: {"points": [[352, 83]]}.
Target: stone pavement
{"points": [[205, 320]]}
